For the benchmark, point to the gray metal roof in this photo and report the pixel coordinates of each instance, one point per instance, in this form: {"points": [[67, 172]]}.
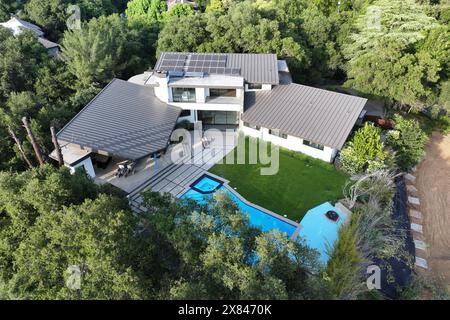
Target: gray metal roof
{"points": [[253, 67], [47, 43], [125, 120], [317, 115]]}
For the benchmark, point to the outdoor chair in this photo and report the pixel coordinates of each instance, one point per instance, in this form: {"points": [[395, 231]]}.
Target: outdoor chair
{"points": [[130, 168]]}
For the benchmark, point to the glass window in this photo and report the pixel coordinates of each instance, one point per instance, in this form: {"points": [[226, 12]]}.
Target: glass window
{"points": [[277, 133], [248, 125], [313, 145], [183, 95], [222, 92], [219, 117], [185, 113], [254, 86]]}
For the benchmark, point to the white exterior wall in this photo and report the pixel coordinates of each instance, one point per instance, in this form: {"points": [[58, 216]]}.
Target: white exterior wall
{"points": [[291, 143], [200, 95], [87, 164], [162, 91]]}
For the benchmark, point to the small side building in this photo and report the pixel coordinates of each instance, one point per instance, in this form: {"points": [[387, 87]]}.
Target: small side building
{"points": [[16, 26]]}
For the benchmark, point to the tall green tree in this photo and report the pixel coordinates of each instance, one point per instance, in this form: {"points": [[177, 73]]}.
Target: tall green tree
{"points": [[20, 59], [179, 10], [103, 49], [8, 7], [389, 72], [408, 140], [51, 15], [146, 11], [365, 152], [383, 56]]}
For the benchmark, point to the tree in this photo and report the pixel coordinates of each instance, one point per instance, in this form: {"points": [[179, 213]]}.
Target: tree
{"points": [[242, 28], [387, 71], [96, 8], [216, 254], [408, 140], [7, 7], [365, 152], [66, 220], [183, 34], [51, 15], [20, 59], [179, 10], [220, 6], [382, 54], [400, 21], [344, 268], [146, 11], [103, 49]]}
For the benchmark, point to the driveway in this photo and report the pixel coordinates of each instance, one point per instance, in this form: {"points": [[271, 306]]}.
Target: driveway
{"points": [[433, 183]]}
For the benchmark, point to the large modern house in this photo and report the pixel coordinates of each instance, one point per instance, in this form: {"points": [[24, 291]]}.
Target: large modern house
{"points": [[249, 93]]}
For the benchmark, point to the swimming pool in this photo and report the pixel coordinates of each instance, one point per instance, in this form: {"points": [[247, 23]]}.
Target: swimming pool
{"points": [[201, 190], [318, 231]]}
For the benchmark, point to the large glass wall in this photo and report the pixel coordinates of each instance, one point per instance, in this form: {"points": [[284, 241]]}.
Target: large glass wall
{"points": [[222, 92], [219, 117]]}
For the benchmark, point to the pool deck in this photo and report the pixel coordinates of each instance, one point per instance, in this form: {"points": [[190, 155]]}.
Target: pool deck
{"points": [[176, 178]]}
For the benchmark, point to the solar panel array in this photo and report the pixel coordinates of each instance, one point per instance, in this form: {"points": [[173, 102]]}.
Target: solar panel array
{"points": [[207, 63]]}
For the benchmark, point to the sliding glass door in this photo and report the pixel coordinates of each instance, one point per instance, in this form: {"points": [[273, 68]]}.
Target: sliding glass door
{"points": [[219, 117]]}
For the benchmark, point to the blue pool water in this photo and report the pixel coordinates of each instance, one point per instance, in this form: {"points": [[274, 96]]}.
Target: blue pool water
{"points": [[318, 231], [207, 185], [258, 218]]}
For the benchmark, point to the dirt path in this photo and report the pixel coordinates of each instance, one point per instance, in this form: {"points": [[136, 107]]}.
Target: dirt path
{"points": [[433, 183]]}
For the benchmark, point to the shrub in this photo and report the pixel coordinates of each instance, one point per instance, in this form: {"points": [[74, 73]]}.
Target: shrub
{"points": [[408, 140], [344, 269], [365, 152]]}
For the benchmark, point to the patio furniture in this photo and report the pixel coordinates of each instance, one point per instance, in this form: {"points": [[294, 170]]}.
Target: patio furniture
{"points": [[125, 168], [130, 168], [206, 142]]}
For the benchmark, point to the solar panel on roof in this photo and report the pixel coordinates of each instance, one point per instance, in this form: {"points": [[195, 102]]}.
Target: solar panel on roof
{"points": [[169, 56]]}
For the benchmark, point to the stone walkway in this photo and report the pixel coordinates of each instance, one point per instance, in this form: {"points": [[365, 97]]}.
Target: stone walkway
{"points": [[415, 217]]}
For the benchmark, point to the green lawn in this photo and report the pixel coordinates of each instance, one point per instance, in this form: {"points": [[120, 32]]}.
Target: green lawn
{"points": [[302, 183]]}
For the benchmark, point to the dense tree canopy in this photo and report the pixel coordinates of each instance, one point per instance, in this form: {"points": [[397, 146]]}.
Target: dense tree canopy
{"points": [[21, 57], [146, 11], [390, 55], [244, 27], [103, 49], [172, 251]]}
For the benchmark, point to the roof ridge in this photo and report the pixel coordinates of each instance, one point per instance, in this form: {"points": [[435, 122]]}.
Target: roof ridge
{"points": [[325, 90]]}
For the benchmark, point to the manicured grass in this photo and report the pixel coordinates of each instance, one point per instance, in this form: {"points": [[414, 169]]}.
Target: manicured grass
{"points": [[301, 183]]}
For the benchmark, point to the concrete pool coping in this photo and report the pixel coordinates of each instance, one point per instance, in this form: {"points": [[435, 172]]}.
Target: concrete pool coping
{"points": [[251, 204], [338, 205]]}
